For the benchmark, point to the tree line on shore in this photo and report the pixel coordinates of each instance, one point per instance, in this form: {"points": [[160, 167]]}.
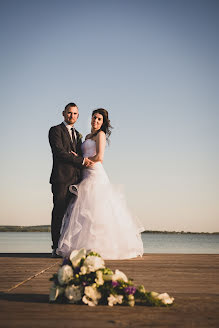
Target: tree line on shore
{"points": [[47, 228], [39, 228]]}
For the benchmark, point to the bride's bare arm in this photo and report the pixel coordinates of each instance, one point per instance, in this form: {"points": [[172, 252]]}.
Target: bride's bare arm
{"points": [[100, 147]]}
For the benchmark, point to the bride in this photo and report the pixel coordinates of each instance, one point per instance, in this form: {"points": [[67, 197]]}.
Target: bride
{"points": [[99, 219]]}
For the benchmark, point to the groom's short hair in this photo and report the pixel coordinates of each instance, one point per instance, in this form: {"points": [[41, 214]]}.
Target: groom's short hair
{"points": [[70, 105]]}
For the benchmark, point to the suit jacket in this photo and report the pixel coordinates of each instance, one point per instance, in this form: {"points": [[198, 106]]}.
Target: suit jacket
{"points": [[66, 167]]}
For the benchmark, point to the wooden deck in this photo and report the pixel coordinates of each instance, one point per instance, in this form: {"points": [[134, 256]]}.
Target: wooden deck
{"points": [[192, 279]]}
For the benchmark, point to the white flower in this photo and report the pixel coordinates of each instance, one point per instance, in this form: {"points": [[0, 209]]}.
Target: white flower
{"points": [[119, 275], [99, 278], [83, 270], [92, 292], [65, 274], [131, 300], [76, 256], [55, 291], [114, 299], [165, 298], [89, 302], [93, 263], [91, 296], [73, 293]]}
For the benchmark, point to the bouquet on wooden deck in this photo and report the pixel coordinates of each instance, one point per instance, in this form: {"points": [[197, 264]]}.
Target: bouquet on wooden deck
{"points": [[84, 279]]}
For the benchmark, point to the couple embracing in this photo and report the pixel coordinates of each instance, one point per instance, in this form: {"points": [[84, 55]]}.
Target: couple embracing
{"points": [[88, 213]]}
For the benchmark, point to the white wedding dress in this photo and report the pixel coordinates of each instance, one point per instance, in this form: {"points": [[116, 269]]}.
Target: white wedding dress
{"points": [[99, 219]]}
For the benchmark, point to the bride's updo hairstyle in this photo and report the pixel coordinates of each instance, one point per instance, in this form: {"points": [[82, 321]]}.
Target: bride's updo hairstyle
{"points": [[106, 126]]}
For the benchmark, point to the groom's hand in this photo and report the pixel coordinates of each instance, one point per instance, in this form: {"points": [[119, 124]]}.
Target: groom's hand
{"points": [[88, 162]]}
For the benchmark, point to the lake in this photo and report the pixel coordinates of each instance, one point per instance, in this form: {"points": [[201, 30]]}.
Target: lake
{"points": [[39, 242]]}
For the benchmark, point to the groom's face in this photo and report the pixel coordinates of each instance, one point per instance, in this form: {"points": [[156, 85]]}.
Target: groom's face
{"points": [[71, 115]]}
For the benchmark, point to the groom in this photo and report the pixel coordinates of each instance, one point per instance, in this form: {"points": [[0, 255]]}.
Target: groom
{"points": [[66, 170]]}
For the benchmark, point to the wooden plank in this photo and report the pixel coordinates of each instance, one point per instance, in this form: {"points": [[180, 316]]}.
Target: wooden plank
{"points": [[192, 279], [16, 268]]}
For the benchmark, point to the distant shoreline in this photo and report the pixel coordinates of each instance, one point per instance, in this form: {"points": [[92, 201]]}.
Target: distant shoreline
{"points": [[47, 228], [39, 228]]}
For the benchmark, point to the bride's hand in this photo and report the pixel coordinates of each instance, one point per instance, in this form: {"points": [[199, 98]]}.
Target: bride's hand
{"points": [[74, 153]]}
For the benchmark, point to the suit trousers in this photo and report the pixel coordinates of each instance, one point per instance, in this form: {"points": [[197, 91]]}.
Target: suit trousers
{"points": [[61, 199]]}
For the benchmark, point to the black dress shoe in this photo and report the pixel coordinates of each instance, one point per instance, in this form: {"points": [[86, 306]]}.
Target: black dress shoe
{"points": [[54, 255]]}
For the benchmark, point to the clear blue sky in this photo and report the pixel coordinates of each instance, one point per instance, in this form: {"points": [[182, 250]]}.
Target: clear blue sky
{"points": [[152, 64]]}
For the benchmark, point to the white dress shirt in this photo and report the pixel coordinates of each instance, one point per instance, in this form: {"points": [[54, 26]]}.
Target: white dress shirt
{"points": [[69, 127]]}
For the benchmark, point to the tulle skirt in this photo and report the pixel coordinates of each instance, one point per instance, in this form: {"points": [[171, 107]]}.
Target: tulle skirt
{"points": [[99, 220]]}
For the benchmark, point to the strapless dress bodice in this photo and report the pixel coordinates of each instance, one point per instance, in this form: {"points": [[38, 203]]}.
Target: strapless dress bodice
{"points": [[89, 148]]}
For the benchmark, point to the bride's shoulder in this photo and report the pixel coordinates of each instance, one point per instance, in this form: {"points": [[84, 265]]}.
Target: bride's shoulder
{"points": [[101, 136]]}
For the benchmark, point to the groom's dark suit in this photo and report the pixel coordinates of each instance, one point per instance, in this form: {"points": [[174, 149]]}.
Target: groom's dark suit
{"points": [[66, 170]]}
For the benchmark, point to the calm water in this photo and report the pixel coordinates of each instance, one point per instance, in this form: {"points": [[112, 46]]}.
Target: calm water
{"points": [[39, 242]]}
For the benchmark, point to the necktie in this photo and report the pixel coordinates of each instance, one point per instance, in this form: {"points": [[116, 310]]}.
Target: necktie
{"points": [[73, 137]]}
